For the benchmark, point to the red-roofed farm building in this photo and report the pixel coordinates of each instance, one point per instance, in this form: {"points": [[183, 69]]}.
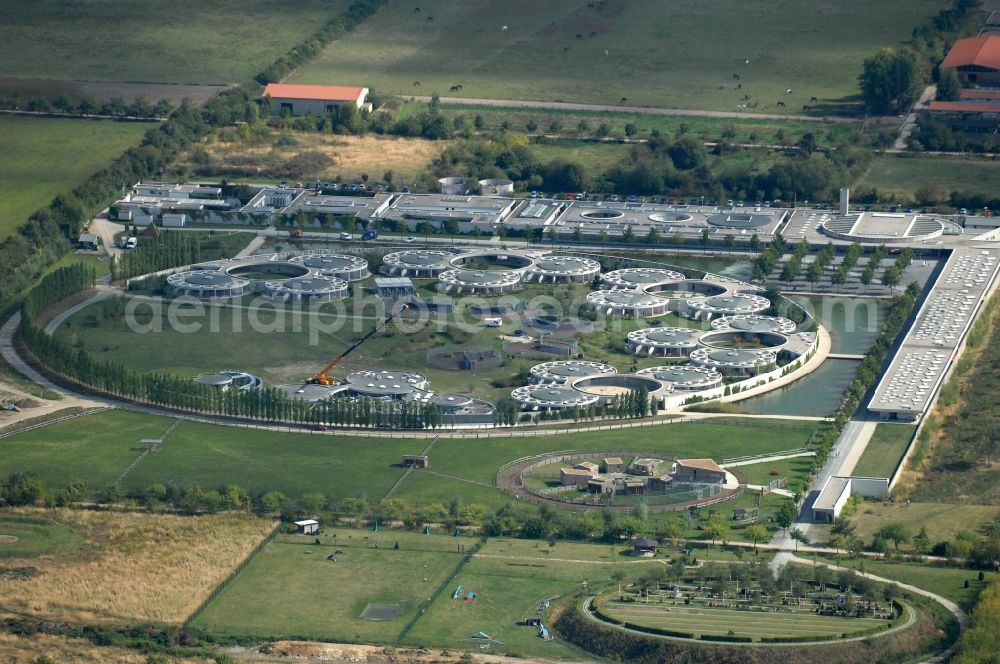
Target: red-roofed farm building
{"points": [[314, 99]]}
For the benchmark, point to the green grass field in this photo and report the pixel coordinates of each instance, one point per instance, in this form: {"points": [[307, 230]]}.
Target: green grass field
{"points": [[35, 536], [310, 596], [716, 621], [942, 520], [44, 157], [904, 175], [884, 450], [145, 41], [762, 473], [97, 448], [656, 56]]}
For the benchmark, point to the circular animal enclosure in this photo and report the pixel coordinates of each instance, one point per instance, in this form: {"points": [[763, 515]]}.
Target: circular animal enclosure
{"points": [[493, 259], [271, 271], [615, 385], [464, 359], [687, 288], [727, 339], [620, 487]]}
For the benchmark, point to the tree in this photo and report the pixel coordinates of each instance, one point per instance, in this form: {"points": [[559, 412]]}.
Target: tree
{"points": [[921, 541], [839, 277], [672, 530], [312, 502], [894, 532], [716, 527], [867, 275], [755, 243], [730, 241], [807, 144], [799, 535], [949, 88], [891, 81], [271, 501], [756, 533], [786, 514], [842, 526], [814, 273], [687, 153], [704, 239], [531, 126], [631, 129]]}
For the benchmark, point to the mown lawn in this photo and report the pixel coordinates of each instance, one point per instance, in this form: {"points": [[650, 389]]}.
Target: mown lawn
{"points": [[884, 450], [43, 157], [904, 175]]}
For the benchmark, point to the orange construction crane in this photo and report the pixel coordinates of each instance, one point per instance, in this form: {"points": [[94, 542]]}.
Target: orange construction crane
{"points": [[323, 377]]}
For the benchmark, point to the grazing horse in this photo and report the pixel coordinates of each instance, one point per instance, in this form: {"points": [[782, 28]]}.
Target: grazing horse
{"points": [[623, 100], [416, 84], [781, 104]]}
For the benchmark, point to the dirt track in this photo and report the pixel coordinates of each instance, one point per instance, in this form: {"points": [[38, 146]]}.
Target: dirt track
{"points": [[153, 92]]}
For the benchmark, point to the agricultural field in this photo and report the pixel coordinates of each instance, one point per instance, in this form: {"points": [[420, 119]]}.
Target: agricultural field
{"points": [[169, 564], [57, 39], [299, 155], [902, 176], [683, 58], [884, 450], [44, 157]]}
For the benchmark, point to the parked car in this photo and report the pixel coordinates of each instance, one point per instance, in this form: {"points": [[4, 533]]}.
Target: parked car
{"points": [[370, 234], [345, 236], [409, 240]]}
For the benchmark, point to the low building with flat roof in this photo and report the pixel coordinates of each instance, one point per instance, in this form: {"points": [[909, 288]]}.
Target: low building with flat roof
{"points": [[591, 468], [838, 489], [613, 465]]}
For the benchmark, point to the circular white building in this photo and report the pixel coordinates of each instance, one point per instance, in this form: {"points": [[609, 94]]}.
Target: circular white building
{"points": [[563, 270], [207, 284], [552, 397], [631, 278], [664, 341], [479, 282], [417, 263], [385, 384], [706, 308], [684, 377], [563, 371], [496, 187], [735, 361], [632, 304], [342, 266], [317, 288]]}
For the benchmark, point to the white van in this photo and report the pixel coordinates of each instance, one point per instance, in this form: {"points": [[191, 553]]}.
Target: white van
{"points": [[131, 243], [493, 322]]}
